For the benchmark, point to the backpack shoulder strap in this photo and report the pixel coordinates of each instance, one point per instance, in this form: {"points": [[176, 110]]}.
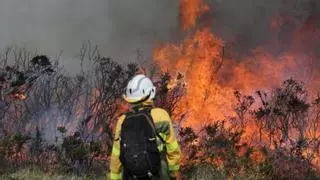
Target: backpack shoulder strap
{"points": [[150, 121]]}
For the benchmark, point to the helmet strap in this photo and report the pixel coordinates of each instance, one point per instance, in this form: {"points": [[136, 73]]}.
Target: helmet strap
{"points": [[142, 100]]}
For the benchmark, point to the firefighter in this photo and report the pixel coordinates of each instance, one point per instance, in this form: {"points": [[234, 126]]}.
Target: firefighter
{"points": [[140, 93]]}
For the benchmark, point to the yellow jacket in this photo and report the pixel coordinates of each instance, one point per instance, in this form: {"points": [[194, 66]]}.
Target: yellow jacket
{"points": [[164, 127]]}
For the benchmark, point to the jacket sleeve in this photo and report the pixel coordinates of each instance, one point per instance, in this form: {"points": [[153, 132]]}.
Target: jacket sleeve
{"points": [[173, 151], [115, 164], [164, 126]]}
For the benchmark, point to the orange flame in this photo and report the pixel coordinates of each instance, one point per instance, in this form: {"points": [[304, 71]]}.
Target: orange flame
{"points": [[209, 96], [190, 10], [197, 58], [19, 96]]}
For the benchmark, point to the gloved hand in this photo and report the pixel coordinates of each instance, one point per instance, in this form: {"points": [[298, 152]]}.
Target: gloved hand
{"points": [[175, 176]]}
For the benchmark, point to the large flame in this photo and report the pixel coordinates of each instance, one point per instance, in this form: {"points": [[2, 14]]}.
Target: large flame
{"points": [[198, 58], [210, 87], [209, 95]]}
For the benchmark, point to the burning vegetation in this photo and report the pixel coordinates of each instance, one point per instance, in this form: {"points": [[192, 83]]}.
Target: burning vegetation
{"points": [[253, 116], [273, 117]]}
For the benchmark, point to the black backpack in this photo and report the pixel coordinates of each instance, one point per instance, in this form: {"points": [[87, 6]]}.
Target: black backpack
{"points": [[139, 152]]}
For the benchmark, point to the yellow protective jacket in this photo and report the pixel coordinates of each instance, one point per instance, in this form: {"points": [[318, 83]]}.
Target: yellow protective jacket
{"points": [[165, 129]]}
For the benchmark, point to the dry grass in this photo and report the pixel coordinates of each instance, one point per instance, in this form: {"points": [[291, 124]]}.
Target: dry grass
{"points": [[206, 172], [28, 174]]}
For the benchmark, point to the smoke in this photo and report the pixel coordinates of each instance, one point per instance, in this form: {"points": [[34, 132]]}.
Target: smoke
{"points": [[49, 120], [248, 21], [119, 27], [286, 29]]}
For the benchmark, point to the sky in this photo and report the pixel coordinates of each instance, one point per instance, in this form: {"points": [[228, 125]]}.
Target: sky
{"points": [[118, 27]]}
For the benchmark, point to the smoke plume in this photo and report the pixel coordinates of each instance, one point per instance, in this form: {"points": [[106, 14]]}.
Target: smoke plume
{"points": [[119, 27]]}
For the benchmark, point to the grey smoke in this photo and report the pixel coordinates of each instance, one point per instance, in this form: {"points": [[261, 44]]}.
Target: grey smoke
{"points": [[246, 25], [119, 27], [249, 20]]}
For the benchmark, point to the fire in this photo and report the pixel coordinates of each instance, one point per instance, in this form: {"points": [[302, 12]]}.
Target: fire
{"points": [[257, 71], [19, 96], [211, 78], [257, 156], [197, 58], [190, 11]]}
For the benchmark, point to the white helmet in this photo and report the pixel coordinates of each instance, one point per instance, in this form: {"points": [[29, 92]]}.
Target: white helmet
{"points": [[139, 89]]}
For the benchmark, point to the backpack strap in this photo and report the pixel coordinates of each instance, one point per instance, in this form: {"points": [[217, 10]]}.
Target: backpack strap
{"points": [[150, 121], [147, 111]]}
